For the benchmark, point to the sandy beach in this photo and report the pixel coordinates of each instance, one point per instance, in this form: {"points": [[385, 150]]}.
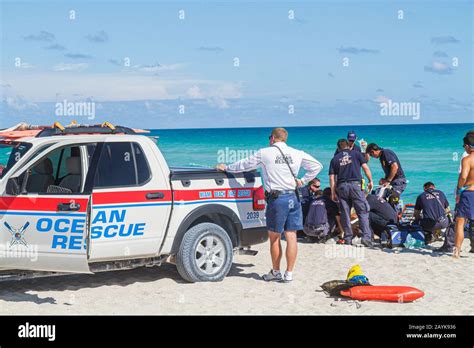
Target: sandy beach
{"points": [[447, 283]]}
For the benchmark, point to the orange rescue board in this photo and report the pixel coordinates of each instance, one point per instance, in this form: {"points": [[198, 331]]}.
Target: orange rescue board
{"points": [[19, 134], [383, 293]]}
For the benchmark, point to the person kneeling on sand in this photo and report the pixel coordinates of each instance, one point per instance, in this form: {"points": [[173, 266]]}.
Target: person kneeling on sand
{"points": [[435, 208], [280, 165], [381, 214], [316, 225], [308, 194], [322, 218]]}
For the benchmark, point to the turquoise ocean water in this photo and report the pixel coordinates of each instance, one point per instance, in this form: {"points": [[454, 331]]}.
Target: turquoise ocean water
{"points": [[426, 152]]}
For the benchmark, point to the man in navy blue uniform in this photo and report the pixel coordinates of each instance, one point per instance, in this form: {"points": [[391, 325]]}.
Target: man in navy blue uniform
{"points": [[435, 208], [308, 195], [391, 166], [381, 214], [316, 224], [351, 138], [345, 178]]}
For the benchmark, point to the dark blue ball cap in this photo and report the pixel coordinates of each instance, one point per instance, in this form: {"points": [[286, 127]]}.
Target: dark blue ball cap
{"points": [[351, 136]]}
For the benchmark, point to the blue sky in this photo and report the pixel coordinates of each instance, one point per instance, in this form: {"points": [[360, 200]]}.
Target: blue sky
{"points": [[284, 63]]}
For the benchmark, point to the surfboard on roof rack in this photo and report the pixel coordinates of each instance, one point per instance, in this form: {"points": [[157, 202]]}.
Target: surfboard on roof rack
{"points": [[25, 130]]}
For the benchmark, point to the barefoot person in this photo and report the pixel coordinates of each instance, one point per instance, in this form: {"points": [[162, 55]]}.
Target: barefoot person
{"points": [[465, 193], [280, 165]]}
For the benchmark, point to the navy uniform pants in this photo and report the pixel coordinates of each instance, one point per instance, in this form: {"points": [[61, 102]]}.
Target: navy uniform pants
{"points": [[351, 195], [378, 223]]}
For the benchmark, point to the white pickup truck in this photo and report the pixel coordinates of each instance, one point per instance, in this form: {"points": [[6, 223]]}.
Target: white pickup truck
{"points": [[86, 199]]}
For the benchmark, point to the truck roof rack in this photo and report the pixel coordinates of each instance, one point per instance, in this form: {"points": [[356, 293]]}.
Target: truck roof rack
{"points": [[104, 128]]}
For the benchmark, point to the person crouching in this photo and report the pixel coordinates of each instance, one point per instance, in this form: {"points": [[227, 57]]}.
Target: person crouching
{"points": [[316, 225]]}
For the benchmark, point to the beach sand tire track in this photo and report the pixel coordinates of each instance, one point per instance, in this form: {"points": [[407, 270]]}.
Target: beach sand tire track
{"points": [[187, 259]]}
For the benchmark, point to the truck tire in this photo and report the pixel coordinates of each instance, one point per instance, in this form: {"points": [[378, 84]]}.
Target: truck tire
{"points": [[205, 254]]}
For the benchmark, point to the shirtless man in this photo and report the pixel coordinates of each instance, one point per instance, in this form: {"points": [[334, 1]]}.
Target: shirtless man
{"points": [[465, 193]]}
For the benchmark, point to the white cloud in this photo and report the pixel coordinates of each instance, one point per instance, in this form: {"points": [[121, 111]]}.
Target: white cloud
{"points": [[70, 66], [382, 99], [217, 102], [194, 92], [43, 87], [158, 67], [439, 68], [19, 103], [24, 65]]}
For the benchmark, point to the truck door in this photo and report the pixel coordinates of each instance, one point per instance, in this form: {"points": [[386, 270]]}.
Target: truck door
{"points": [[131, 202], [43, 222]]}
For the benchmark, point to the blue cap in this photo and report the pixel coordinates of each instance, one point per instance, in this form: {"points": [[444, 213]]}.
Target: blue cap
{"points": [[351, 136]]}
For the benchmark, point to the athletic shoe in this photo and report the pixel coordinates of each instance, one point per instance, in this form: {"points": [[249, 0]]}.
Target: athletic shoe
{"points": [[333, 240], [366, 243], [444, 249], [272, 276], [287, 277], [341, 241], [356, 241]]}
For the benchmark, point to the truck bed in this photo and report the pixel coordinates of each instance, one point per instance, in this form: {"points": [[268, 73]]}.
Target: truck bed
{"points": [[187, 173]]}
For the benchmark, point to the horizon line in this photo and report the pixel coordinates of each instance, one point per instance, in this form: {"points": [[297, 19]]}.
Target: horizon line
{"points": [[340, 125]]}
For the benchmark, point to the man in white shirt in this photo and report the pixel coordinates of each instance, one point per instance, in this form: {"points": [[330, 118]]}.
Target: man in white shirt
{"points": [[280, 165]]}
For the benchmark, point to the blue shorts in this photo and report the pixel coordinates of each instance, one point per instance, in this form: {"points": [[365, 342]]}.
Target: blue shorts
{"points": [[284, 213], [465, 207]]}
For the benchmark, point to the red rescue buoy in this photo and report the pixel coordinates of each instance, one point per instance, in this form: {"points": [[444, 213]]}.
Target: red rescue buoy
{"points": [[384, 293]]}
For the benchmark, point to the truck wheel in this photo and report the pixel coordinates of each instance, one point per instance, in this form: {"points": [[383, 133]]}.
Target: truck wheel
{"points": [[205, 254]]}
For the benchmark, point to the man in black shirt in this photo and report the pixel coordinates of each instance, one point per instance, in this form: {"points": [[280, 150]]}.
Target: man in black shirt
{"points": [[391, 166]]}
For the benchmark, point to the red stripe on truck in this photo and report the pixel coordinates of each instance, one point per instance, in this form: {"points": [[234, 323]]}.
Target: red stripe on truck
{"points": [[127, 196], [50, 203], [179, 195], [35, 203]]}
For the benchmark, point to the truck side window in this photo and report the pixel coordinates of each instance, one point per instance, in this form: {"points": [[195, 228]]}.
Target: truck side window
{"points": [[59, 172], [121, 164], [143, 171]]}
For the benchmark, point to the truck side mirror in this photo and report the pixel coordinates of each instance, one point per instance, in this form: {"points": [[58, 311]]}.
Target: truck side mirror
{"points": [[13, 188]]}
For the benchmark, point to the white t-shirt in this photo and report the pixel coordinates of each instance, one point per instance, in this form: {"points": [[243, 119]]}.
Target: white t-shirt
{"points": [[275, 172]]}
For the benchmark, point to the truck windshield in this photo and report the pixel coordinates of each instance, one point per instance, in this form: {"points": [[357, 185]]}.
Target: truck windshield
{"points": [[10, 154]]}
